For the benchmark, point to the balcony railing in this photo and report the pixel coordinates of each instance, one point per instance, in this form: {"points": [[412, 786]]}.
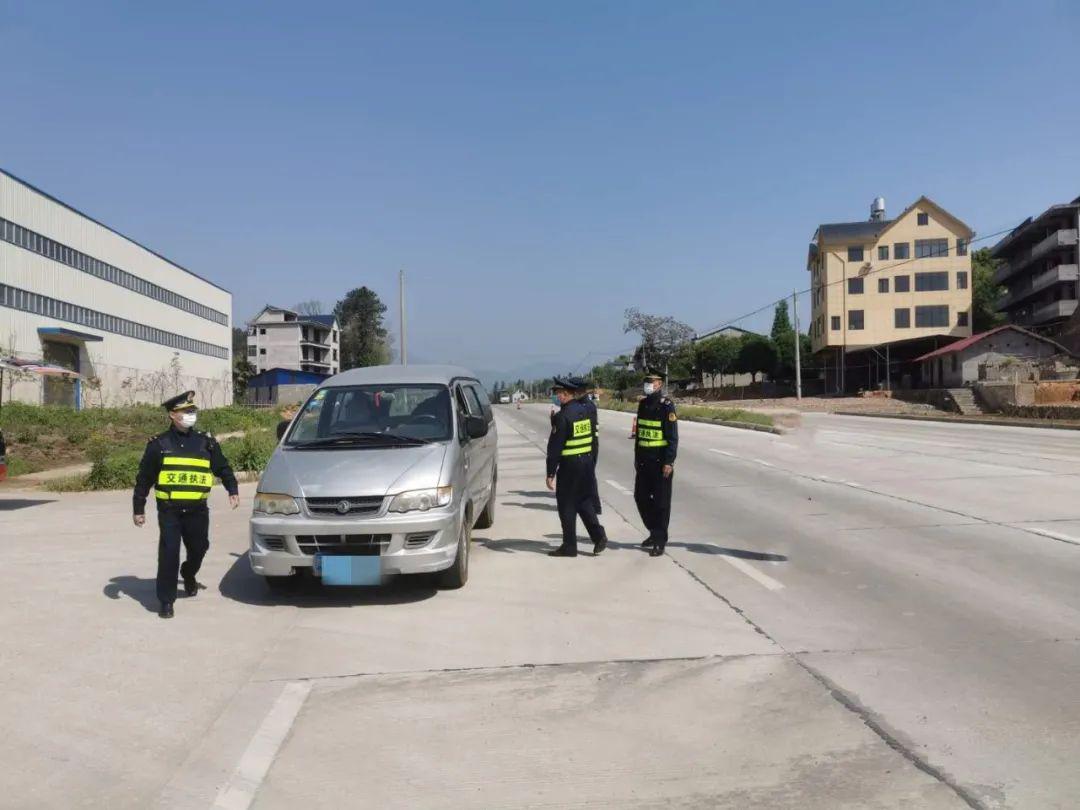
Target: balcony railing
{"points": [[1055, 275], [1056, 240]]}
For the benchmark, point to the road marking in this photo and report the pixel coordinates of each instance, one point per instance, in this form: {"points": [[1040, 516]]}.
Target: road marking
{"points": [[239, 792], [619, 487], [754, 574], [1056, 536], [764, 463], [727, 453]]}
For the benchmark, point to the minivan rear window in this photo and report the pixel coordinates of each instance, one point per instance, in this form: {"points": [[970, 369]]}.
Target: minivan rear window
{"points": [[418, 411]]}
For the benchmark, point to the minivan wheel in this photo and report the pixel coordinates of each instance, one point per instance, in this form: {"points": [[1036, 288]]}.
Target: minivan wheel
{"points": [[458, 574], [487, 517]]}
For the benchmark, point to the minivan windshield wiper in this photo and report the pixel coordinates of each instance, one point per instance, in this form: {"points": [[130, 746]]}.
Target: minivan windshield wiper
{"points": [[345, 438]]}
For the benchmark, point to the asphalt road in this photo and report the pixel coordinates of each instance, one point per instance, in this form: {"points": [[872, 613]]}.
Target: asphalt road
{"points": [[862, 613], [928, 573]]}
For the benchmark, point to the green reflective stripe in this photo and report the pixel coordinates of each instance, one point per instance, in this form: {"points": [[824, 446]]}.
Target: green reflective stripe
{"points": [[578, 442], [661, 443], [182, 495], [576, 451], [182, 461], [650, 422]]}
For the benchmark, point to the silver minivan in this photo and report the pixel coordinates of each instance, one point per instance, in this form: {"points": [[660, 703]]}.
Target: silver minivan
{"points": [[385, 470]]}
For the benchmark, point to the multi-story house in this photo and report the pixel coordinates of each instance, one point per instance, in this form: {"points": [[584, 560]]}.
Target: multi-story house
{"points": [[903, 282], [1039, 269], [281, 338]]}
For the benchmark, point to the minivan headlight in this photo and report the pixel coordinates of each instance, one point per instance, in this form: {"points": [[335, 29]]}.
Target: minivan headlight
{"points": [[420, 500], [271, 503]]}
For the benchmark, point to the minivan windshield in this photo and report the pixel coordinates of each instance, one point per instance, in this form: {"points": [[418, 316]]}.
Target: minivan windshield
{"points": [[374, 415]]}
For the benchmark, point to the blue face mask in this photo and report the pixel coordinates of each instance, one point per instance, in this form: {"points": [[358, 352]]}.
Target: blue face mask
{"points": [[554, 400]]}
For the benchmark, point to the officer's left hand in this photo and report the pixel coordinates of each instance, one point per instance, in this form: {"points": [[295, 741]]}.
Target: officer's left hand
{"points": [[551, 483], [234, 501], [667, 471]]}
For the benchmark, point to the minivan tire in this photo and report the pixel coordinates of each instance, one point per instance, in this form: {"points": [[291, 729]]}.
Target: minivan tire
{"points": [[458, 574], [487, 517]]}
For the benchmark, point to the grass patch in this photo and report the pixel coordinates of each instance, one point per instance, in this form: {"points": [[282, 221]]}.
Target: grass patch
{"points": [[250, 452], [699, 413]]}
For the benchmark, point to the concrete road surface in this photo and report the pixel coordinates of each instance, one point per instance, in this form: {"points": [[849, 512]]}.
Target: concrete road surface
{"points": [[861, 614]]}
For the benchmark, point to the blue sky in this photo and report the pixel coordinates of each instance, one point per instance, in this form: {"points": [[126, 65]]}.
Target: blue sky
{"points": [[536, 167]]}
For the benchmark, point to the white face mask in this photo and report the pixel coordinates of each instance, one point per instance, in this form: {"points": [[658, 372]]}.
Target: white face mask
{"points": [[650, 388], [188, 419]]}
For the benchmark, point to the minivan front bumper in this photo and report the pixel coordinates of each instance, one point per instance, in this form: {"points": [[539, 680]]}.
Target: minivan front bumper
{"points": [[417, 542]]}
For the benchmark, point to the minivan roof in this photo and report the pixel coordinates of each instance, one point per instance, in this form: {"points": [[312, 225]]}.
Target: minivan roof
{"points": [[399, 375]]}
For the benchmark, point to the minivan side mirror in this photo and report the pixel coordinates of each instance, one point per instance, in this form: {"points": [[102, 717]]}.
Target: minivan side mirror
{"points": [[282, 426], [476, 427]]}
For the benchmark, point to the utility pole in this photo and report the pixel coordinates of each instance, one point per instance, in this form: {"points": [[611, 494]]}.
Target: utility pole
{"points": [[798, 359], [401, 318]]}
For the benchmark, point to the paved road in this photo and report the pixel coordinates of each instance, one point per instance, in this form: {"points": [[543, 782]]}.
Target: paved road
{"points": [[860, 614], [928, 573]]}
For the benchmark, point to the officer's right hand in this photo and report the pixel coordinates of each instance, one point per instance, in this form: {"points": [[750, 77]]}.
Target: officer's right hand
{"points": [[139, 520]]}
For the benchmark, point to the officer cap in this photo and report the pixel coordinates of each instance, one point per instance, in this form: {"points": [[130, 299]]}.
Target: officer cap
{"points": [[562, 384], [181, 402], [577, 383], [652, 375]]}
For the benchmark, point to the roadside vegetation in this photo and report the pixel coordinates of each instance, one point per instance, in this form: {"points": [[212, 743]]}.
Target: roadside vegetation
{"points": [[699, 413]]}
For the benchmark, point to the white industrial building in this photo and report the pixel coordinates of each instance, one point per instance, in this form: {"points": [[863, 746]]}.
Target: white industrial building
{"points": [[284, 339], [75, 293]]}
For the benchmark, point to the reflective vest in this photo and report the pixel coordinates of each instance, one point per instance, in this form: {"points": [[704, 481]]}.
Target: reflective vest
{"points": [[581, 436], [650, 433], [184, 478]]}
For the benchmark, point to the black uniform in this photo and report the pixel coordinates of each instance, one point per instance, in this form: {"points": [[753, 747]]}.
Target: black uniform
{"points": [[656, 445], [181, 466], [590, 406], [570, 459]]}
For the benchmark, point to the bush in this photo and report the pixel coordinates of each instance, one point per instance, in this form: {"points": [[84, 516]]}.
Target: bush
{"points": [[234, 418], [116, 471], [251, 452]]}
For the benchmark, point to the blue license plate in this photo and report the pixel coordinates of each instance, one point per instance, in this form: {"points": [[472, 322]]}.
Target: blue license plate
{"points": [[341, 570]]}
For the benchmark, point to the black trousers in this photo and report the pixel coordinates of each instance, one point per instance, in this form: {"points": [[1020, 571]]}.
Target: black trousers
{"points": [[190, 526], [575, 492], [652, 494]]}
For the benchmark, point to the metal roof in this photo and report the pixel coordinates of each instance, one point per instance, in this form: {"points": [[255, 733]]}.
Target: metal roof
{"points": [[861, 231], [400, 375], [967, 342]]}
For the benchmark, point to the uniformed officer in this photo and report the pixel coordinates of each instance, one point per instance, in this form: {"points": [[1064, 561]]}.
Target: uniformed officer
{"points": [[655, 447], [582, 395], [571, 471], [181, 464]]}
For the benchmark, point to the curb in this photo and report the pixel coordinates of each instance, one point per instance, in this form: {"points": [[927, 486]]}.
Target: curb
{"points": [[722, 422], [967, 420]]}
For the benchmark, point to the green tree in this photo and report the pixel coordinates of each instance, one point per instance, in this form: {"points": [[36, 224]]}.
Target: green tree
{"points": [[757, 355], [717, 355], [364, 340], [242, 370], [781, 323], [985, 292], [683, 363]]}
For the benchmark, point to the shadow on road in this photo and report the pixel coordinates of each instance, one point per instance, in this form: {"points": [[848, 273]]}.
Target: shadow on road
{"points": [[241, 584], [509, 546], [11, 504], [550, 507], [143, 591], [709, 548], [532, 493]]}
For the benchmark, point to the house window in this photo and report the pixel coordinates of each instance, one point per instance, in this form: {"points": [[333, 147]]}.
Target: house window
{"points": [[262, 351], [931, 248], [252, 351], [901, 250], [902, 318], [932, 316], [923, 219], [262, 331], [883, 253], [855, 286], [855, 319], [902, 284], [834, 323], [961, 318], [882, 285], [961, 280], [961, 247], [931, 282], [855, 253]]}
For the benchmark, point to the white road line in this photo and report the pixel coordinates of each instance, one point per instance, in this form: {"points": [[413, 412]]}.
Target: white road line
{"points": [[723, 452], [1055, 535], [239, 792], [619, 487], [764, 463], [754, 574]]}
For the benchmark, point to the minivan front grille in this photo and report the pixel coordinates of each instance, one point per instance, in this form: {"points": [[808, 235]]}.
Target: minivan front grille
{"points": [[346, 505], [272, 543], [358, 545]]}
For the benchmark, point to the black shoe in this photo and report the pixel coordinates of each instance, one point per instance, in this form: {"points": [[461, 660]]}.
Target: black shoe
{"points": [[656, 551], [648, 542], [191, 585], [563, 551], [166, 611], [599, 545]]}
